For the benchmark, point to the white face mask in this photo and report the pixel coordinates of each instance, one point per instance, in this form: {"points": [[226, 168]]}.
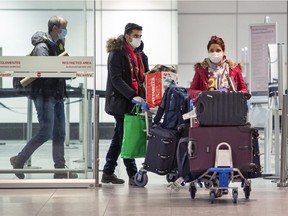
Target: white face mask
{"points": [[215, 57], [135, 42]]}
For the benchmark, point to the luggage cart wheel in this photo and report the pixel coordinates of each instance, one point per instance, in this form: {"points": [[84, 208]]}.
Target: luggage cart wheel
{"points": [[192, 190], [247, 190], [208, 184], [170, 177], [235, 196], [141, 179], [212, 196]]}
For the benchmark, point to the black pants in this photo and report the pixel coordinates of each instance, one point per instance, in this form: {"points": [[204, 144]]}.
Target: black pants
{"points": [[115, 149]]}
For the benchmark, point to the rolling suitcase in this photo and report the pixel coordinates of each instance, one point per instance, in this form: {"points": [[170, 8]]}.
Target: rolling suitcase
{"points": [[204, 140], [161, 150], [215, 108]]}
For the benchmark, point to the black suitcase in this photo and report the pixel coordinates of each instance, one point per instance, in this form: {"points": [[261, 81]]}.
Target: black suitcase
{"points": [[161, 150], [215, 108], [204, 141]]}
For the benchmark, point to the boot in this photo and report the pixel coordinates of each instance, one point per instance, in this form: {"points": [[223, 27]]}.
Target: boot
{"points": [[111, 178], [64, 175], [17, 164]]}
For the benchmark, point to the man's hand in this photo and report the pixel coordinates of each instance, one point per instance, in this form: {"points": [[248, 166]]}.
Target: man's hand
{"points": [[138, 99]]}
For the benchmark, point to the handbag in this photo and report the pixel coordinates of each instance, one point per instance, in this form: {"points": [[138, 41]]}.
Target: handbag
{"points": [[134, 135]]}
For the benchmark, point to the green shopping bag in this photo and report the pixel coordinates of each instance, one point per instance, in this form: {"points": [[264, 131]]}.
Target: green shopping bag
{"points": [[134, 136]]}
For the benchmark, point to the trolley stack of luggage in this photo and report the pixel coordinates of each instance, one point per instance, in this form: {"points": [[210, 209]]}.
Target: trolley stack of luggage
{"points": [[164, 135], [223, 149]]}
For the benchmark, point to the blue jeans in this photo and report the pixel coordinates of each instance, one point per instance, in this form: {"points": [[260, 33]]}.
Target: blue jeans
{"points": [[115, 149], [51, 117]]}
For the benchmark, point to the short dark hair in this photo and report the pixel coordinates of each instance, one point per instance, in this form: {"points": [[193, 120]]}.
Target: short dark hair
{"points": [[130, 27], [216, 40]]}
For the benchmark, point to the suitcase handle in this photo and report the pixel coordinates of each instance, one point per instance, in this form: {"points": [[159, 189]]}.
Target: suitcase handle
{"points": [[192, 149], [163, 156], [166, 141]]}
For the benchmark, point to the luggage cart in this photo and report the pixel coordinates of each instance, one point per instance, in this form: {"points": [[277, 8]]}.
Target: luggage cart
{"points": [[141, 177], [217, 178]]}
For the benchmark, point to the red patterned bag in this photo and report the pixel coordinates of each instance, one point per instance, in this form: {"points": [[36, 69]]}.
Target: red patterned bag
{"points": [[156, 84]]}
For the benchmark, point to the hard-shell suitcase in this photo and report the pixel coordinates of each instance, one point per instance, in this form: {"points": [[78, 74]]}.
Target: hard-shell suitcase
{"points": [[161, 150], [215, 108], [203, 143]]}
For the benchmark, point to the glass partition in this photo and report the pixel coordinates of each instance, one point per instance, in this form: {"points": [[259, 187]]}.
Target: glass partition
{"points": [[88, 31], [19, 118]]}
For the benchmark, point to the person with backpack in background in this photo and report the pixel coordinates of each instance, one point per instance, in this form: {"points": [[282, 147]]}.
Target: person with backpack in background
{"points": [[127, 65], [216, 72], [48, 96]]}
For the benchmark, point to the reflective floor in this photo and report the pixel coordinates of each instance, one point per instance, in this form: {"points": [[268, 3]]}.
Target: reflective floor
{"points": [[116, 200]]}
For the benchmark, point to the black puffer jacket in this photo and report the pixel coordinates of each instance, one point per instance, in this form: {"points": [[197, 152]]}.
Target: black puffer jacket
{"points": [[44, 46], [119, 92]]}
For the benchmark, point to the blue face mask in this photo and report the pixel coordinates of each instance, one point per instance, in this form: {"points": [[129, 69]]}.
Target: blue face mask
{"points": [[62, 34]]}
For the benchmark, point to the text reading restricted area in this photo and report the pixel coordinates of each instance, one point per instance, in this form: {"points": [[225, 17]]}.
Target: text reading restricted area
{"points": [[77, 62]]}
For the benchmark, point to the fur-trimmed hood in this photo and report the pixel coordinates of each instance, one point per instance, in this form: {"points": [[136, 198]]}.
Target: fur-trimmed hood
{"points": [[114, 44], [205, 63]]}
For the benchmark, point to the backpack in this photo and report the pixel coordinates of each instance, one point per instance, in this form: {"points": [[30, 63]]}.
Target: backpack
{"points": [[16, 81], [174, 104]]}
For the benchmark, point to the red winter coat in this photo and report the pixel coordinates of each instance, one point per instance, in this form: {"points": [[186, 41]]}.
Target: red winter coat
{"points": [[200, 79]]}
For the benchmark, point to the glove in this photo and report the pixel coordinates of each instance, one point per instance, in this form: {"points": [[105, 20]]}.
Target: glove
{"points": [[138, 99]]}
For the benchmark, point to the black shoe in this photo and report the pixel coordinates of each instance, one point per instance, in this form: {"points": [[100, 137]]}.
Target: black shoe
{"points": [[64, 175], [14, 161], [111, 179]]}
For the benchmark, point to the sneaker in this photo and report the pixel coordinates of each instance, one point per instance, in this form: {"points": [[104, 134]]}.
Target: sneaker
{"points": [[14, 161], [111, 179]]}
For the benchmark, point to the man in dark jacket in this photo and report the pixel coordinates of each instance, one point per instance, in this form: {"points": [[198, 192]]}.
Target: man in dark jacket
{"points": [[126, 65], [48, 95]]}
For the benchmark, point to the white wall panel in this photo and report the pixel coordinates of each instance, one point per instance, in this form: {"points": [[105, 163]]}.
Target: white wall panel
{"points": [[41, 4], [244, 22], [157, 33], [195, 32], [203, 6], [186, 73], [21, 25], [263, 6], [139, 5]]}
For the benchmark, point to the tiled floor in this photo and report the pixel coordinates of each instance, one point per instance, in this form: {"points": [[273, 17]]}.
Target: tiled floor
{"points": [[117, 200], [266, 199]]}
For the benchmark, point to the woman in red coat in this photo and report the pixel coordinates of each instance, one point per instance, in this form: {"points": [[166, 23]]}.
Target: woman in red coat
{"points": [[216, 72]]}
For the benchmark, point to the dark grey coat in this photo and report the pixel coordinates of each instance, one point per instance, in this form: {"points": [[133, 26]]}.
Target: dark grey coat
{"points": [[47, 87], [119, 92]]}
